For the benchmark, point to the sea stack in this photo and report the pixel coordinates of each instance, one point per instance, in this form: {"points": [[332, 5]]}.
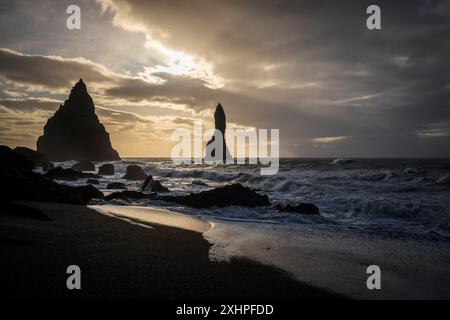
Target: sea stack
{"points": [[74, 131], [211, 146]]}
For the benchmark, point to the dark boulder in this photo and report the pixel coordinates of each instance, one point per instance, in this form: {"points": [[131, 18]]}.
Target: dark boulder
{"points": [[68, 174], [31, 186], [116, 185], [89, 192], [83, 166], [147, 181], [106, 170], [234, 194], [12, 159], [39, 159], [134, 172], [19, 182], [74, 132], [303, 208], [126, 195], [230, 195], [153, 185]]}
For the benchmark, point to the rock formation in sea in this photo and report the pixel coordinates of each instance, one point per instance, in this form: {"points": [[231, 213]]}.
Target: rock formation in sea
{"points": [[229, 195], [106, 170], [116, 185], [60, 173], [134, 172], [153, 185], [83, 166], [74, 132], [220, 125], [39, 159], [19, 182]]}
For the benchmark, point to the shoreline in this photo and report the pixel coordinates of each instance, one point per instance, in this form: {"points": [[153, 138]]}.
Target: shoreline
{"points": [[322, 259], [123, 260]]}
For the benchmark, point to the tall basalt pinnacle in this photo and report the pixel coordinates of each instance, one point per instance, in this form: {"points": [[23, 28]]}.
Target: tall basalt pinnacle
{"points": [[79, 100], [74, 131], [220, 119], [211, 146]]}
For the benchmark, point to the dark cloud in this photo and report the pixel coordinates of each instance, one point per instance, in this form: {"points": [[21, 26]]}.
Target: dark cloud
{"points": [[50, 72], [30, 104], [309, 68]]}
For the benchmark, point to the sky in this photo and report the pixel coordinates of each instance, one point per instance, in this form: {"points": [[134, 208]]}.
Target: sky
{"points": [[311, 69]]}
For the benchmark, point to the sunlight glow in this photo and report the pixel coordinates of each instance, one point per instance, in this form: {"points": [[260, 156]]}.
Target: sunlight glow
{"points": [[182, 64]]}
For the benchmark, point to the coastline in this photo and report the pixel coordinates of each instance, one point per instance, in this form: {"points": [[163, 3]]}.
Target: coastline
{"points": [[318, 257], [122, 260]]}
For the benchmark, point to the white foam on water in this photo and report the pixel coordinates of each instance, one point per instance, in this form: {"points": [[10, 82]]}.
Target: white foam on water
{"points": [[337, 262]]}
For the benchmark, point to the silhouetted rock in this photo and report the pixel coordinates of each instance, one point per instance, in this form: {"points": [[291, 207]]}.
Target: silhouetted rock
{"points": [[106, 170], [92, 181], [28, 185], [126, 195], [116, 185], [134, 172], [10, 158], [89, 192], [153, 185], [68, 174], [39, 159], [303, 208], [220, 124], [74, 131], [83, 166], [231, 195]]}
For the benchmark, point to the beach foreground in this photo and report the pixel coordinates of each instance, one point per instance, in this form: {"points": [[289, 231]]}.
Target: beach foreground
{"points": [[122, 260]]}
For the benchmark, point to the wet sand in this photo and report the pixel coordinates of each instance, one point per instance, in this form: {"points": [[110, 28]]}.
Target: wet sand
{"points": [[123, 260]]}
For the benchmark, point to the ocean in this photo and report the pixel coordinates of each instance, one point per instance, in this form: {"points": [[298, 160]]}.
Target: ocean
{"points": [[390, 212]]}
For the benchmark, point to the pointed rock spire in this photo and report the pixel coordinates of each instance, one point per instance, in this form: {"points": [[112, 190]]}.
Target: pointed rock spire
{"points": [[220, 124], [74, 131], [220, 119]]}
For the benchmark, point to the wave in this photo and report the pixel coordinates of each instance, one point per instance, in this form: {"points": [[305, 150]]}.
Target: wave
{"points": [[432, 215], [349, 195], [444, 180], [341, 161]]}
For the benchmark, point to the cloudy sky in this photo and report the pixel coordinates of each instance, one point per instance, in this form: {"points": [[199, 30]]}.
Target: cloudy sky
{"points": [[309, 68]]}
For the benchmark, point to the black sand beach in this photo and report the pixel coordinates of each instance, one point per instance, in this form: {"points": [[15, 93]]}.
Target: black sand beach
{"points": [[120, 260]]}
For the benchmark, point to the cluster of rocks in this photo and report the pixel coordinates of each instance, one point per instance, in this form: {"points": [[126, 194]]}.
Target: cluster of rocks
{"points": [[20, 182], [74, 132], [234, 194], [80, 170], [229, 195]]}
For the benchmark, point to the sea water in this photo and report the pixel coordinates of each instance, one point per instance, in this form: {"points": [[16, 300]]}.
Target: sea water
{"points": [[394, 213]]}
